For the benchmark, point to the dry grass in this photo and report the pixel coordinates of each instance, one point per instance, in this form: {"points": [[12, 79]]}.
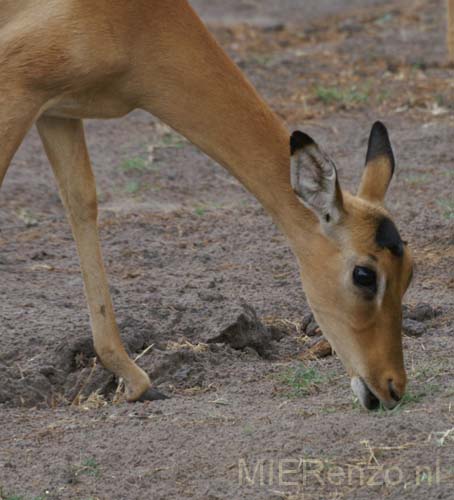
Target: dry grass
{"points": [[186, 344]]}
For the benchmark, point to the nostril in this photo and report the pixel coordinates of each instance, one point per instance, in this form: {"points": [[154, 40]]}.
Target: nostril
{"points": [[392, 390]]}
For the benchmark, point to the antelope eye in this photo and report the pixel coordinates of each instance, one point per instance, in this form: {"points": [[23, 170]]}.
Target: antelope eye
{"points": [[365, 278]]}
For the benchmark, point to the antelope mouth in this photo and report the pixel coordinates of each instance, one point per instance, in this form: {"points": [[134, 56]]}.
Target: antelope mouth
{"points": [[366, 397]]}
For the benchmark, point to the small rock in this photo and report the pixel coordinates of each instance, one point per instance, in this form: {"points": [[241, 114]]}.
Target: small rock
{"points": [[273, 27], [420, 312], [216, 347], [309, 326], [210, 296], [41, 255], [246, 331], [319, 349], [251, 351], [413, 328], [350, 27], [392, 67], [307, 318], [183, 373]]}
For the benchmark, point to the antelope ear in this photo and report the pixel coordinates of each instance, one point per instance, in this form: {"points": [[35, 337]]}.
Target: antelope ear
{"points": [[379, 167], [314, 178]]}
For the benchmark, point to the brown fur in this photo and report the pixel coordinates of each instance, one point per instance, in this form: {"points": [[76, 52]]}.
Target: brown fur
{"points": [[67, 60], [450, 29]]}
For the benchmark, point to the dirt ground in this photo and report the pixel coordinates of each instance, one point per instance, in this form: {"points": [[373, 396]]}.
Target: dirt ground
{"points": [[190, 255]]}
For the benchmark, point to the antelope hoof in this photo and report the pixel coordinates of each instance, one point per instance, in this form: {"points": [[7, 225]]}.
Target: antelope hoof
{"points": [[140, 389], [152, 394]]}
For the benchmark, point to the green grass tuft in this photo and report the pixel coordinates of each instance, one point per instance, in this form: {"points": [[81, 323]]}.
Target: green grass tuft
{"points": [[417, 180], [136, 164], [200, 211], [448, 208], [132, 186], [171, 140], [302, 380], [335, 95], [89, 467]]}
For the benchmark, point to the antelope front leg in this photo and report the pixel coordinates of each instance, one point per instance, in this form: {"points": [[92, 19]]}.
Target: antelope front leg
{"points": [[18, 115], [65, 146]]}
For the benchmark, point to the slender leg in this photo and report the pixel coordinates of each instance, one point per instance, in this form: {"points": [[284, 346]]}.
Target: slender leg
{"points": [[65, 146], [450, 30], [16, 118]]}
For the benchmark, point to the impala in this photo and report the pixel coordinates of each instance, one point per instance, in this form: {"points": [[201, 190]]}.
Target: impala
{"points": [[63, 61]]}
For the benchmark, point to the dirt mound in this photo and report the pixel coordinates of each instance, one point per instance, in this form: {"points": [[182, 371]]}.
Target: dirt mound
{"points": [[70, 371], [246, 331]]}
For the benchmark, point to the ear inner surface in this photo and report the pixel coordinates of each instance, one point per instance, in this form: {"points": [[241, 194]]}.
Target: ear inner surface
{"points": [[314, 178]]}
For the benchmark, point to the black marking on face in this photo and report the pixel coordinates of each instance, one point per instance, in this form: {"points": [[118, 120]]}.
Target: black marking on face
{"points": [[379, 145], [387, 236], [299, 140]]}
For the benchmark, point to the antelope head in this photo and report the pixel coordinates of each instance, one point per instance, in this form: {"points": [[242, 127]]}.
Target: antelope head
{"points": [[355, 268]]}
